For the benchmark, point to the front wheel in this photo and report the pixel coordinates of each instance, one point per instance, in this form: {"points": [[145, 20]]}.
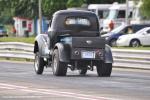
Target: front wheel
{"points": [[38, 64], [104, 69], [59, 68], [134, 43]]}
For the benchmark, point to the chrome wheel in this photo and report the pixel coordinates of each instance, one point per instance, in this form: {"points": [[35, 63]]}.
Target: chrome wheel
{"points": [[38, 64], [55, 64], [135, 43]]}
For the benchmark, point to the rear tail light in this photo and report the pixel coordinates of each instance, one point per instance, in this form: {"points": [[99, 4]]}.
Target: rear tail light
{"points": [[99, 52], [76, 52]]}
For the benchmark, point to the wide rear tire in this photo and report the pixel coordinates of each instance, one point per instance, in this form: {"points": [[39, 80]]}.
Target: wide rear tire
{"points": [[59, 68], [104, 69], [38, 64]]}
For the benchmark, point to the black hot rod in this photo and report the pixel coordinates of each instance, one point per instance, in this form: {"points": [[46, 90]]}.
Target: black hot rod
{"points": [[73, 41]]}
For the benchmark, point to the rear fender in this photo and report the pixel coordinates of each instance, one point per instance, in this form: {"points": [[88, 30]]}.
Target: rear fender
{"points": [[64, 52], [41, 44], [108, 54]]}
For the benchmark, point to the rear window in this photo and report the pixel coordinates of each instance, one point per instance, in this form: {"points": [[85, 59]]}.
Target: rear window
{"points": [[71, 21]]}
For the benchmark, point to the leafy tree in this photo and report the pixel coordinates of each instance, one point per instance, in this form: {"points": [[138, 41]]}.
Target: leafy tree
{"points": [[6, 10], [26, 8], [146, 8], [29, 8], [74, 3], [50, 6]]}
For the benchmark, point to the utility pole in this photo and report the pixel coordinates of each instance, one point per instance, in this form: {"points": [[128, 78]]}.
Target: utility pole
{"points": [[127, 12], [40, 16]]}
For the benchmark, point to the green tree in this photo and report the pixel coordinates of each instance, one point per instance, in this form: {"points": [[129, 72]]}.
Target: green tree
{"points": [[21, 8], [146, 8], [74, 3], [51, 6], [7, 10], [29, 8], [26, 8]]}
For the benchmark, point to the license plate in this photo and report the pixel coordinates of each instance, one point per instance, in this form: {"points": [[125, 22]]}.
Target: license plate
{"points": [[88, 54]]}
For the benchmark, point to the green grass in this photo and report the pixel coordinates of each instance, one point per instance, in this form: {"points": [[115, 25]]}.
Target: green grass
{"points": [[17, 39], [31, 40], [132, 48], [16, 59]]}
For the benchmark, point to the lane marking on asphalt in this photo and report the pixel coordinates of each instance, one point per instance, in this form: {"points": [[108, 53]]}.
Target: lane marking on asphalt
{"points": [[54, 92], [12, 86], [3, 87], [23, 97]]}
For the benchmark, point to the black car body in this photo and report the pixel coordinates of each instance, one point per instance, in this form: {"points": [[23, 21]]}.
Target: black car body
{"points": [[73, 41]]}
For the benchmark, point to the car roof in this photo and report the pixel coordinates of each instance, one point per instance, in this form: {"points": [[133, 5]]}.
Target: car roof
{"points": [[75, 12]]}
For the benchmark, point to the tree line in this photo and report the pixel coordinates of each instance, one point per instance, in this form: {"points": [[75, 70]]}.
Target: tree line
{"points": [[29, 8]]}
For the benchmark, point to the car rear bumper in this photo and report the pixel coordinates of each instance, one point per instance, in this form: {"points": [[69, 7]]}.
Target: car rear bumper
{"points": [[87, 54]]}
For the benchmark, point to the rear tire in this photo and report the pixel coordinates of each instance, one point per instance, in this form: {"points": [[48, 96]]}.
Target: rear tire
{"points": [[38, 64], [59, 68], [104, 69]]}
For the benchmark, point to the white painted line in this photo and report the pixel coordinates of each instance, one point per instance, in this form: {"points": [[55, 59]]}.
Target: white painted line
{"points": [[54, 92], [22, 97], [12, 86], [9, 88], [75, 94], [63, 95]]}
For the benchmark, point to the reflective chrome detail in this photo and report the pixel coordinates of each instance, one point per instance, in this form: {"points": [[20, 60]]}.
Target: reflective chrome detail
{"points": [[89, 42], [76, 52]]}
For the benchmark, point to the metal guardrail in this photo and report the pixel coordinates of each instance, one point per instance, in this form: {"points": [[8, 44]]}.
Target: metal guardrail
{"points": [[16, 50], [122, 58], [131, 58]]}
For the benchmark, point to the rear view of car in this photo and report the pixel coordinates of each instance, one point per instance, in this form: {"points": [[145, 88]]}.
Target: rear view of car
{"points": [[73, 41], [3, 31]]}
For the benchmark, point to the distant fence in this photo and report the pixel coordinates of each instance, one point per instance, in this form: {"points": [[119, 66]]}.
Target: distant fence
{"points": [[122, 58]]}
